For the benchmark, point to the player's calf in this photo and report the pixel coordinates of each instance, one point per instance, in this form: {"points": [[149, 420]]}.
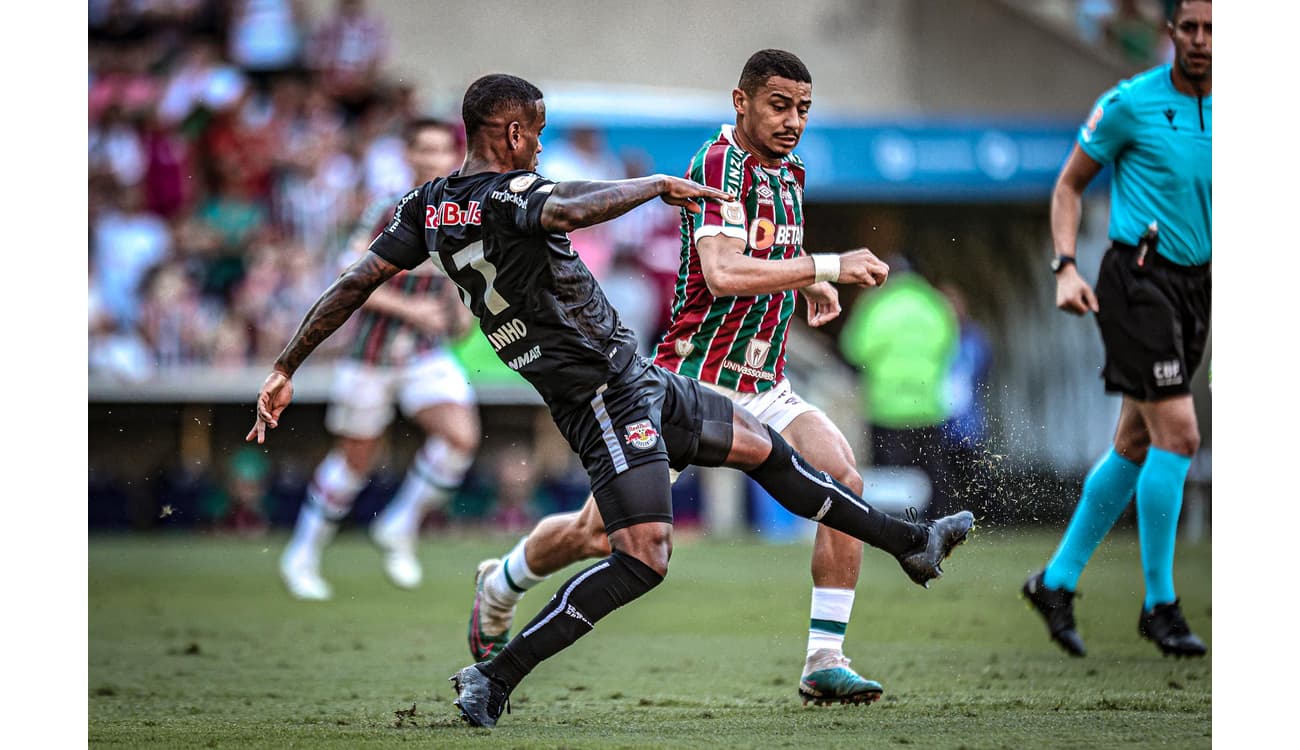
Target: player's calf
{"points": [[808, 492]]}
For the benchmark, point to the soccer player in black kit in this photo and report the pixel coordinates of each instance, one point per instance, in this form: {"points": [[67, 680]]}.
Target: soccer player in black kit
{"points": [[497, 229]]}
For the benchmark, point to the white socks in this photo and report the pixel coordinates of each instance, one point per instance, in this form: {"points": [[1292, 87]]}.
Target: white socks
{"points": [[434, 474], [506, 585], [830, 618]]}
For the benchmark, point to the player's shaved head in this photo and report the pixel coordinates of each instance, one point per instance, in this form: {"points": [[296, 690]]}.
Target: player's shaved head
{"points": [[494, 95], [766, 63], [1179, 6]]}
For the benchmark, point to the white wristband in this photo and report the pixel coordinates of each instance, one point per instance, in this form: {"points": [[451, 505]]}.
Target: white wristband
{"points": [[826, 267]]}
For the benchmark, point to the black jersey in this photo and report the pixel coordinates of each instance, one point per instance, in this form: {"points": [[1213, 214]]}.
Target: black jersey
{"points": [[535, 299]]}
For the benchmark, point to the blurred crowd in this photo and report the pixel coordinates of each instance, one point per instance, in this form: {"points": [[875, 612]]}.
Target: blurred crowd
{"points": [[1132, 29], [232, 147]]}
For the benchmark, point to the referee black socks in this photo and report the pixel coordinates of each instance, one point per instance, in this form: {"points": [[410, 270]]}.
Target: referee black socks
{"points": [[571, 614], [813, 494]]}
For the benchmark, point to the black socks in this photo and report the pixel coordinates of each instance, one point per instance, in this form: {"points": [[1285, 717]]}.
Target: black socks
{"points": [[571, 614], [813, 494]]}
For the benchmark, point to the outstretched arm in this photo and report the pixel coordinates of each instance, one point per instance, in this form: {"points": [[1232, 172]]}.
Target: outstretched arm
{"points": [[348, 292], [576, 204], [731, 273]]}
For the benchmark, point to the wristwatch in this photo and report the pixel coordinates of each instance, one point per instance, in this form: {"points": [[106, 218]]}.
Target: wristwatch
{"points": [[1061, 261]]}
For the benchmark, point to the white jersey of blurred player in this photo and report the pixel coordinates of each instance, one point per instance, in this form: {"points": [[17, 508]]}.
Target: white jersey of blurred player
{"points": [[397, 357]]}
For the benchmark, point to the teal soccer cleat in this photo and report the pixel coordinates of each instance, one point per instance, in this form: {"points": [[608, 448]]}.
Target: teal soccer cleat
{"points": [[828, 679]]}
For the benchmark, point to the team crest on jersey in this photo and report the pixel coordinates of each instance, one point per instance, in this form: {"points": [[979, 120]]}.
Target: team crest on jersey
{"points": [[756, 353], [683, 347], [642, 434], [733, 213], [521, 183], [762, 233]]}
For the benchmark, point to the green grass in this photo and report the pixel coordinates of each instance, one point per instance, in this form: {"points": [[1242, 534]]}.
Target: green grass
{"points": [[193, 643]]}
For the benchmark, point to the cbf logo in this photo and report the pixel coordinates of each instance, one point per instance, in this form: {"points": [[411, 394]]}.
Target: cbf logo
{"points": [[642, 434], [1168, 373]]}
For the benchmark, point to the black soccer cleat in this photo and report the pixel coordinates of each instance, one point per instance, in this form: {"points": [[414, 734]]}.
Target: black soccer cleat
{"points": [[479, 698], [1164, 625], [922, 564], [1057, 608]]}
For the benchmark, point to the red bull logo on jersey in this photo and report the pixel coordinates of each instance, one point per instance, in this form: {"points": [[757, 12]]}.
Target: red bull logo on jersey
{"points": [[452, 214], [764, 234], [642, 434]]}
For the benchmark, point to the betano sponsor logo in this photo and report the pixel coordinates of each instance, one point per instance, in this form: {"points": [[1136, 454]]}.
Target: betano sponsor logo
{"points": [[764, 234]]}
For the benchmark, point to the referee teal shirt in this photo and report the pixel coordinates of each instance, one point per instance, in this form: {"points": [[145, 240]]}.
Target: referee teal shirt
{"points": [[1159, 141]]}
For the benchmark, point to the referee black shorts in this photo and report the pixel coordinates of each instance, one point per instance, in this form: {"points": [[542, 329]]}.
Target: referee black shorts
{"points": [[642, 415], [1154, 320]]}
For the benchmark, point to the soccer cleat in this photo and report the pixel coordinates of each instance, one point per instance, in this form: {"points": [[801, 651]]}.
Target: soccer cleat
{"points": [[400, 563], [922, 563], [489, 626], [479, 698], [300, 571], [828, 679], [1164, 625], [1057, 609]]}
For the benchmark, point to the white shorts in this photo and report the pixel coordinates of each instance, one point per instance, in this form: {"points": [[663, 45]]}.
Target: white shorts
{"points": [[776, 407], [362, 396]]}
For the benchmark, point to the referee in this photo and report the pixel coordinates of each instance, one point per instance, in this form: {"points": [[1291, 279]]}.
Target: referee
{"points": [[1152, 305]]}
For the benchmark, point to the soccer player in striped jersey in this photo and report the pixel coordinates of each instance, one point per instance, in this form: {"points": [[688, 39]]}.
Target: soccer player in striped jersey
{"points": [[742, 266], [397, 356]]}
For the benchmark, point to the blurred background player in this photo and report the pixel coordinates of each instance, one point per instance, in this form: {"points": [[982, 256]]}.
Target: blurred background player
{"points": [[736, 294], [396, 356], [1153, 308]]}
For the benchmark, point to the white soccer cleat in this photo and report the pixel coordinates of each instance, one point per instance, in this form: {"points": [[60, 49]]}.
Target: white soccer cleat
{"points": [[400, 563], [301, 574]]}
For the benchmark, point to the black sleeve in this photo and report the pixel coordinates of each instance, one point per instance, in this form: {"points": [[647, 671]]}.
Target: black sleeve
{"points": [[517, 199], [402, 241]]}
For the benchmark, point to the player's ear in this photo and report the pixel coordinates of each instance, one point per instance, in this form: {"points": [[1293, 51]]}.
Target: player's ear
{"points": [[514, 133], [738, 97]]}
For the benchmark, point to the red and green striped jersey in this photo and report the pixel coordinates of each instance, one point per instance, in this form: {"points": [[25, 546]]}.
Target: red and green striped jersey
{"points": [[736, 342], [385, 340]]}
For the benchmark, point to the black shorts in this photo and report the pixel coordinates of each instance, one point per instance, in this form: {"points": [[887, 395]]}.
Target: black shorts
{"points": [[645, 414], [1154, 321]]}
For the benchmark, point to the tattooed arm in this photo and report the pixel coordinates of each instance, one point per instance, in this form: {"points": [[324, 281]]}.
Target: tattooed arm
{"points": [[577, 204], [331, 311]]}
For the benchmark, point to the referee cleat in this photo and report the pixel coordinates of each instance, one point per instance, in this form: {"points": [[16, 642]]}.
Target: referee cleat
{"points": [[828, 679], [1057, 609], [489, 626], [1164, 625], [479, 698], [942, 535]]}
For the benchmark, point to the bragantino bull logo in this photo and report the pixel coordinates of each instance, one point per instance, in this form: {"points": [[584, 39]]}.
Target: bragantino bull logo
{"points": [[642, 434]]}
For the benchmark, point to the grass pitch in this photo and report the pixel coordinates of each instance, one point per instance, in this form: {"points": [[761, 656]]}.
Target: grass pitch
{"points": [[194, 643]]}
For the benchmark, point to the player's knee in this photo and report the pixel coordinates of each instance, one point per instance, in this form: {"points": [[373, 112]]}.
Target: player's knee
{"points": [[358, 454], [1133, 445], [846, 474], [651, 543], [462, 435], [1184, 443]]}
